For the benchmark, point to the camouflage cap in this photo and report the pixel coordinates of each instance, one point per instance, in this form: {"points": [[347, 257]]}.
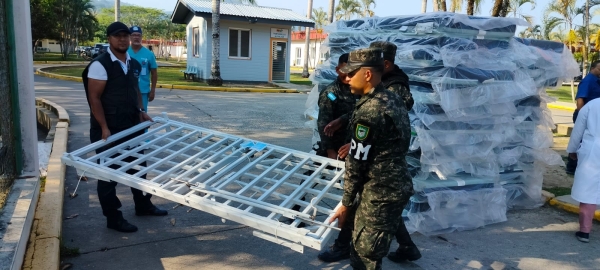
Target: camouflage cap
{"points": [[369, 57], [389, 49]]}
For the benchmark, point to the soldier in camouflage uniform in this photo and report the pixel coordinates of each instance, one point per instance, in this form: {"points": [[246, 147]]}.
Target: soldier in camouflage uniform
{"points": [[394, 79], [335, 101], [376, 168]]}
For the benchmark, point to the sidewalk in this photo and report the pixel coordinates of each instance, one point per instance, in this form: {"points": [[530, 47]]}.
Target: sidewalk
{"points": [[567, 203]]}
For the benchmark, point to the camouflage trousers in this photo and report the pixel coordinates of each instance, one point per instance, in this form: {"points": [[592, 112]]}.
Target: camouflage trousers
{"points": [[374, 229]]}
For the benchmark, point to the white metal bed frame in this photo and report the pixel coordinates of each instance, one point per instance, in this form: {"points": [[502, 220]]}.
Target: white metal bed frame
{"points": [[238, 179]]}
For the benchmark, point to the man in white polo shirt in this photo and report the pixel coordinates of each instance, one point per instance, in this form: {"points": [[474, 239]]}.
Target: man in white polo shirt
{"points": [[111, 87]]}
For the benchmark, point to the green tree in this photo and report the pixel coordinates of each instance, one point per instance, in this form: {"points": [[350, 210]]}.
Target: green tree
{"points": [[548, 25], [76, 21], [42, 12], [347, 9], [365, 8]]}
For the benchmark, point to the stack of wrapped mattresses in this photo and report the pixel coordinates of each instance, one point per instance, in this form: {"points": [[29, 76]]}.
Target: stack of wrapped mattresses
{"points": [[481, 128]]}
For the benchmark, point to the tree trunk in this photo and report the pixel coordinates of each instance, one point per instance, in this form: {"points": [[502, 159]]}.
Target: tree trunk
{"points": [[470, 7], [8, 166], [332, 10], [452, 6], [215, 67], [305, 72], [423, 6], [443, 5], [498, 4], [436, 5]]}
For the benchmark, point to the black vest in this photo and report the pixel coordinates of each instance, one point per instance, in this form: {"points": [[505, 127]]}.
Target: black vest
{"points": [[120, 96]]}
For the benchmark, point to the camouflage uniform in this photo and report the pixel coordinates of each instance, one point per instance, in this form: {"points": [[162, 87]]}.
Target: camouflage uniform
{"points": [[396, 80], [336, 100], [376, 169]]}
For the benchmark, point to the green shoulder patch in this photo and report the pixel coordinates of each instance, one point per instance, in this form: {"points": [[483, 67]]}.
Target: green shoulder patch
{"points": [[362, 132]]}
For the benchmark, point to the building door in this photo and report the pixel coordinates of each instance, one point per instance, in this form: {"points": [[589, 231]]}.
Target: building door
{"points": [[279, 55]]}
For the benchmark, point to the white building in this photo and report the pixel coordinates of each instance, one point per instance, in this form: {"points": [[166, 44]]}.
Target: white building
{"points": [[316, 54], [255, 40]]}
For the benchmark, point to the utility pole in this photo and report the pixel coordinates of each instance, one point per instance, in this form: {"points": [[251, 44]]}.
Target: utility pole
{"points": [[305, 73], [117, 10], [586, 48]]}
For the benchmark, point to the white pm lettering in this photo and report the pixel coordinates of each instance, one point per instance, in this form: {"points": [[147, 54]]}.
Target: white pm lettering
{"points": [[360, 148]]}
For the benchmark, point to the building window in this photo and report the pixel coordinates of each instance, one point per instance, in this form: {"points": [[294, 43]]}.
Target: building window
{"points": [[240, 43], [298, 57], [196, 41]]}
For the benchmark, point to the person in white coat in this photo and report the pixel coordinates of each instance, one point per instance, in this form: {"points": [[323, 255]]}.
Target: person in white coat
{"points": [[584, 146]]}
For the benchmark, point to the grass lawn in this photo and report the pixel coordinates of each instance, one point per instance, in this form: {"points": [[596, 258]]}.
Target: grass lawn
{"points": [[563, 93], [166, 75], [55, 57], [296, 78]]}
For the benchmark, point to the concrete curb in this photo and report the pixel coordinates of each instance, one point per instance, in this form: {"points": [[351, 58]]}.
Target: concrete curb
{"points": [[570, 207], [43, 249], [560, 107], [60, 62], [41, 72]]}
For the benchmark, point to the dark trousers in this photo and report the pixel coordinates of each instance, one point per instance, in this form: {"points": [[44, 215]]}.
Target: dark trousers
{"points": [[107, 193], [571, 163]]}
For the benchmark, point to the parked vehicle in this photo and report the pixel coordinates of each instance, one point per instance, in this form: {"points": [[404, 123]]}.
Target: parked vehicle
{"points": [[100, 50]]}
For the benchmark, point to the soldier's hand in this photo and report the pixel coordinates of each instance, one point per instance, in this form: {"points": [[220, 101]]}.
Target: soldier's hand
{"points": [[332, 127], [344, 150], [340, 215], [145, 117], [105, 134]]}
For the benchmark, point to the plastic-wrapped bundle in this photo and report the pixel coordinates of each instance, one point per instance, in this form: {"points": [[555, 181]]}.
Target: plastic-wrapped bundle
{"points": [[480, 126], [456, 210]]}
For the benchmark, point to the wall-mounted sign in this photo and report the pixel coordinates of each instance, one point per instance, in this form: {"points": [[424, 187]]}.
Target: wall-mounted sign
{"points": [[279, 33]]}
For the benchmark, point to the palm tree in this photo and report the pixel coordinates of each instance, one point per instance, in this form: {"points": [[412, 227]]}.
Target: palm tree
{"points": [[456, 5], [442, 5], [514, 7], [565, 9], [548, 25], [215, 67], [320, 17], [305, 73], [473, 6], [346, 9], [366, 8], [424, 6]]}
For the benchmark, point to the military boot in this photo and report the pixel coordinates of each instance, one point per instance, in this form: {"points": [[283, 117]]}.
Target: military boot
{"points": [[335, 252], [405, 253]]}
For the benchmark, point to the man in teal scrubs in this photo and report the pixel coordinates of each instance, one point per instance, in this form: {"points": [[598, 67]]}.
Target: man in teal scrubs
{"points": [[148, 61]]}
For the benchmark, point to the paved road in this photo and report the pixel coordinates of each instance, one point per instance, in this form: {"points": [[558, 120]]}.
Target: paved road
{"points": [[530, 239]]}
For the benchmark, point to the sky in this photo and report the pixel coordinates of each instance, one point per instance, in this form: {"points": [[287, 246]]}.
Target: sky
{"points": [[382, 9]]}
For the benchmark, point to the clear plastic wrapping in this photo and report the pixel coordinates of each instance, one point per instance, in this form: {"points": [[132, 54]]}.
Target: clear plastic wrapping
{"points": [[481, 130]]}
